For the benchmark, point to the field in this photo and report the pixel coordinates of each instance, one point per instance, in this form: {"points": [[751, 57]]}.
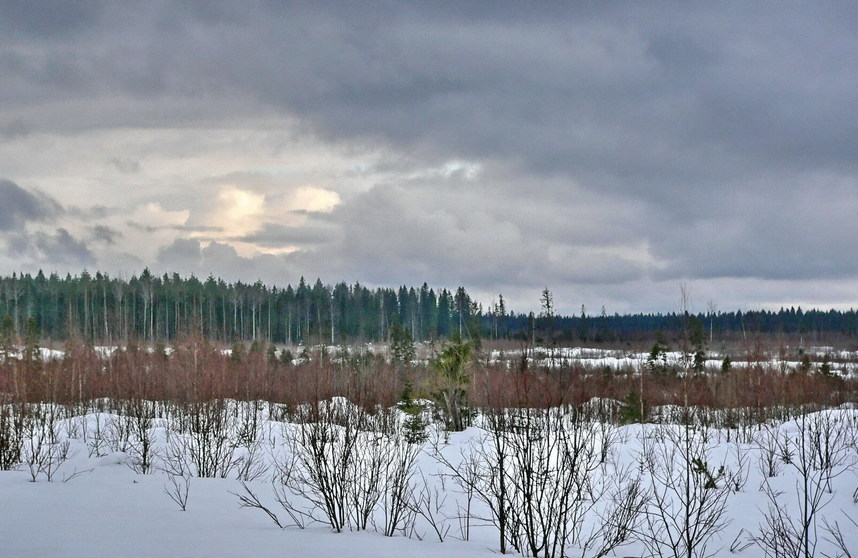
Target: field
{"points": [[200, 451]]}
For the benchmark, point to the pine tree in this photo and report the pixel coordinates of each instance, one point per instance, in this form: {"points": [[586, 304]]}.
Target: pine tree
{"points": [[451, 380], [401, 344]]}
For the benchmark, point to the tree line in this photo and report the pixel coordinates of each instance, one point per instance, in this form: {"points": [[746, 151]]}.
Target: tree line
{"points": [[157, 309]]}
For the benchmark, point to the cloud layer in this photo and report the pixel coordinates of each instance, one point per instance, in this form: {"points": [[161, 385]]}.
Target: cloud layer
{"points": [[608, 151]]}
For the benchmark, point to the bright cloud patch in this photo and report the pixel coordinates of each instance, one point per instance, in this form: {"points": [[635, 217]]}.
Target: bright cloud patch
{"points": [[240, 211], [310, 198]]}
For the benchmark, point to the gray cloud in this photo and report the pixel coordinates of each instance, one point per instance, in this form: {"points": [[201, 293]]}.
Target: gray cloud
{"points": [[182, 256], [51, 19], [221, 260], [12, 129], [55, 250], [125, 166], [177, 228], [273, 235], [61, 247], [20, 206], [90, 213], [105, 234], [620, 145]]}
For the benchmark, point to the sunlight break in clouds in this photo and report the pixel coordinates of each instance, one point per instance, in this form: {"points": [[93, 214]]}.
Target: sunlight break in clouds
{"points": [[312, 199], [239, 212]]}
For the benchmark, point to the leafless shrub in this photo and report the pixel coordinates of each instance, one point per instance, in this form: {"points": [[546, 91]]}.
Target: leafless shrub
{"points": [[534, 470], [176, 460], [141, 448], [246, 416], [553, 455], [838, 539], [737, 478], [689, 497], [96, 442], [210, 447], [300, 511], [617, 524], [366, 475], [341, 464], [770, 463], [398, 514], [471, 469], [250, 465], [482, 470], [429, 502], [42, 452], [76, 424], [287, 493], [13, 425], [325, 446], [75, 474], [818, 452], [250, 500], [117, 434], [178, 489]]}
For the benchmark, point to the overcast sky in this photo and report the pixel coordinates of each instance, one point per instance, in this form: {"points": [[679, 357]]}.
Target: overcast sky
{"points": [[611, 151]]}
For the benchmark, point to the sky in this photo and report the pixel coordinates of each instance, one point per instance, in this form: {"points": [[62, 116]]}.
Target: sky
{"points": [[612, 152]]}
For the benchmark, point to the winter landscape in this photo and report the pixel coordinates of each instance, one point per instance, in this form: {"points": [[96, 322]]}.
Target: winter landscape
{"points": [[472, 278], [199, 451]]}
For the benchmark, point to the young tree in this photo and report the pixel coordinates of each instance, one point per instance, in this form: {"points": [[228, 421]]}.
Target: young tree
{"points": [[451, 380], [401, 344]]}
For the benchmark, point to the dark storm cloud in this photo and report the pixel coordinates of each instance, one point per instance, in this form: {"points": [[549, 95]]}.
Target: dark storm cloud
{"points": [[18, 206], [59, 248], [719, 136]]}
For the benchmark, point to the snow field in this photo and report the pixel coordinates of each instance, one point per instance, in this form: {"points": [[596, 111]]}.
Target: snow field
{"points": [[107, 506]]}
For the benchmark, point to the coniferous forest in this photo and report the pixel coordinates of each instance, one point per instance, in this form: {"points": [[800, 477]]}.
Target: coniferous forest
{"points": [[148, 308]]}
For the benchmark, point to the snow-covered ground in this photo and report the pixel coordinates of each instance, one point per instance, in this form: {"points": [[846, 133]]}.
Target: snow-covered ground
{"points": [[843, 363], [840, 362], [105, 508]]}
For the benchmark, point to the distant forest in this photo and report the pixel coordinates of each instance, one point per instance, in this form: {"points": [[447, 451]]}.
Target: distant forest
{"points": [[151, 309]]}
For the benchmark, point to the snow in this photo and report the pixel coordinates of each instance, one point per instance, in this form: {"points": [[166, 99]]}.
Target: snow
{"points": [[98, 506], [113, 512], [842, 363], [108, 510]]}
